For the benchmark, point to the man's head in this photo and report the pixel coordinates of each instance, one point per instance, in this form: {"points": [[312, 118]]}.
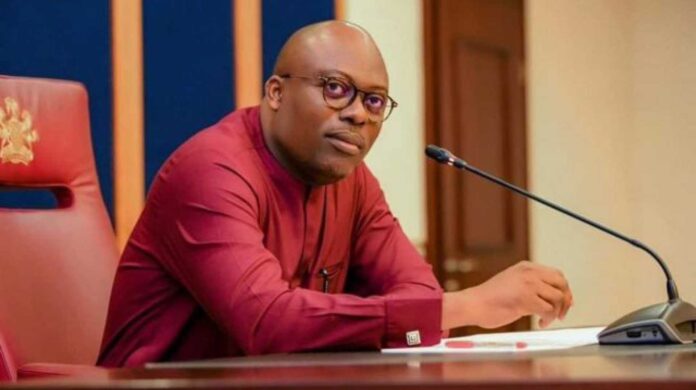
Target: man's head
{"points": [[309, 121]]}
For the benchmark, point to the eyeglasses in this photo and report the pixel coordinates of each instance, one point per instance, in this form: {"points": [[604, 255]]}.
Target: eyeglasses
{"points": [[340, 93]]}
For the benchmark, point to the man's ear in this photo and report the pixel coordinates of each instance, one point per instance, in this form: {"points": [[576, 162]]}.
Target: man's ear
{"points": [[273, 89]]}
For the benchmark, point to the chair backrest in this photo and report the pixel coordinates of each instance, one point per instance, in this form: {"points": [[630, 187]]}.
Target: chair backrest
{"points": [[56, 265]]}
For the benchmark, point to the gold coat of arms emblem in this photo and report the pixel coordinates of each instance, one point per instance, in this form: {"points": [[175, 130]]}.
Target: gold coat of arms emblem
{"points": [[16, 134]]}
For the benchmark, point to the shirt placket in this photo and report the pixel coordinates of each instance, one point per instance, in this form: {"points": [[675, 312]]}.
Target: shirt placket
{"points": [[313, 210]]}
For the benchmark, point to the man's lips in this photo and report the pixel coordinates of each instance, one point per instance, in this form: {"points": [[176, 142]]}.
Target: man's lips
{"points": [[347, 142]]}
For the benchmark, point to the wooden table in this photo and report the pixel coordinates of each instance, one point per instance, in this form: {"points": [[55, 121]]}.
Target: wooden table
{"points": [[595, 367]]}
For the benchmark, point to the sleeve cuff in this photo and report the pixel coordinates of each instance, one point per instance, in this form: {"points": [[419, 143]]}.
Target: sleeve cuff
{"points": [[413, 322]]}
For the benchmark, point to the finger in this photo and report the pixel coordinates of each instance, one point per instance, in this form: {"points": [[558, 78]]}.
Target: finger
{"points": [[568, 302], [553, 296], [541, 307], [554, 277], [545, 311], [548, 274]]}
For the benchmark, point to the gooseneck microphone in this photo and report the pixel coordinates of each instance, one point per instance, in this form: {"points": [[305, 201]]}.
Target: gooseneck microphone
{"points": [[443, 156], [664, 323]]}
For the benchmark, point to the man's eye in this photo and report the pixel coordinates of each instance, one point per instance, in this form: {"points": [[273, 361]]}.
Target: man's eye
{"points": [[336, 89], [375, 102]]}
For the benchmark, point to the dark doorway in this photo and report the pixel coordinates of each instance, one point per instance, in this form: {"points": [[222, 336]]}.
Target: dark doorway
{"points": [[475, 107]]}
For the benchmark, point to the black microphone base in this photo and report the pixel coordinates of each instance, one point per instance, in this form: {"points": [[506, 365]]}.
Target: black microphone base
{"points": [[672, 322]]}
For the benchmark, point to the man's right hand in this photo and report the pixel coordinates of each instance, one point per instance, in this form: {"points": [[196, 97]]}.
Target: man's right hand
{"points": [[523, 289]]}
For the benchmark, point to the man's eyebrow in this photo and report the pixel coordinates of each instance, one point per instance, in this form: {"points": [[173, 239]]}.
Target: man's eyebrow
{"points": [[340, 74]]}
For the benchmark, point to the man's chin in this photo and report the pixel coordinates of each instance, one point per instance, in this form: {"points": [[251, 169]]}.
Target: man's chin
{"points": [[331, 174]]}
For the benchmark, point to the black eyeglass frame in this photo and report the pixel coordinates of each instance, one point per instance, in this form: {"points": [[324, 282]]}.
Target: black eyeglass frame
{"points": [[390, 104]]}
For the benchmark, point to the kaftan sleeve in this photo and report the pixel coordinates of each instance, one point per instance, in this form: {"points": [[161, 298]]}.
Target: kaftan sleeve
{"points": [[386, 263]]}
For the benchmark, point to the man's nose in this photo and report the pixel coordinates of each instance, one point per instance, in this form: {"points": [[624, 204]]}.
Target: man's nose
{"points": [[355, 112]]}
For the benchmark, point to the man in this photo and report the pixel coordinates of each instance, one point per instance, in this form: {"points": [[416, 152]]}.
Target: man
{"points": [[267, 233]]}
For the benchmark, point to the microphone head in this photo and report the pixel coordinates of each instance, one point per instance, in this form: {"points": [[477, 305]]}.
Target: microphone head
{"points": [[437, 153]]}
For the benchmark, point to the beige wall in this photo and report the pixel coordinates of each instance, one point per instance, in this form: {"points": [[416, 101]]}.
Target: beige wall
{"points": [[611, 85], [664, 158], [580, 121], [612, 126]]}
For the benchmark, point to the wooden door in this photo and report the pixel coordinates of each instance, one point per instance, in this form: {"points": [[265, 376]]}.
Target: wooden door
{"points": [[475, 107]]}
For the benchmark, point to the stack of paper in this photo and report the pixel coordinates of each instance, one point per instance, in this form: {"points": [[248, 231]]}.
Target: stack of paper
{"points": [[541, 340]]}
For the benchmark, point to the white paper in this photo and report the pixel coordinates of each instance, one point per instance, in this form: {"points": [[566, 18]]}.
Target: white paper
{"points": [[513, 342]]}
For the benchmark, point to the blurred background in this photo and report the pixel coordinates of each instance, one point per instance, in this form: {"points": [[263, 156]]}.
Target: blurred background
{"points": [[590, 103]]}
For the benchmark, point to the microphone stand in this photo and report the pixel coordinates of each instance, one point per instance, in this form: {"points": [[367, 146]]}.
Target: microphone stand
{"points": [[672, 322]]}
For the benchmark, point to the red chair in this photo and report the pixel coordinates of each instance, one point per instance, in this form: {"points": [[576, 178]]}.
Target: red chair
{"points": [[56, 265], [8, 371]]}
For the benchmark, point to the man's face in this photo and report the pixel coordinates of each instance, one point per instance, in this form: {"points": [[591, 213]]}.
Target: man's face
{"points": [[319, 143]]}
